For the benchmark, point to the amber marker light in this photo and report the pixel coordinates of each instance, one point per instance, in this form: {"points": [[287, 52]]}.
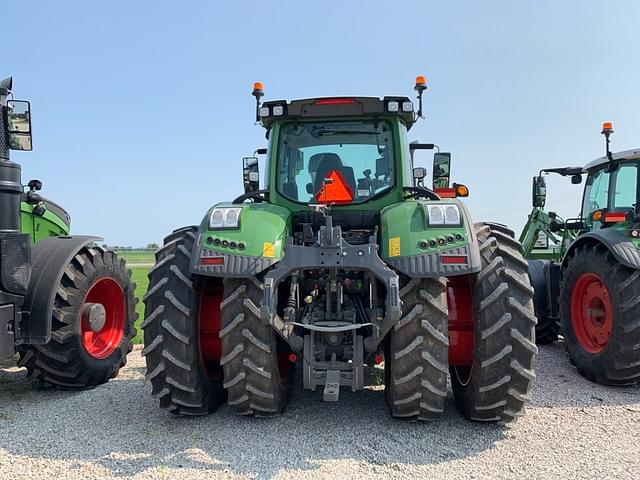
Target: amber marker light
{"points": [[607, 127], [461, 190], [597, 216]]}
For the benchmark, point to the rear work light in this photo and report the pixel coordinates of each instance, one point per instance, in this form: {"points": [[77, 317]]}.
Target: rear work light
{"points": [[335, 101], [225, 217], [278, 110], [392, 106], [447, 214], [264, 111], [407, 107]]}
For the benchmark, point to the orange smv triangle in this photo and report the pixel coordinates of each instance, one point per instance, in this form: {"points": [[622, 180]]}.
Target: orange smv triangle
{"points": [[336, 190]]}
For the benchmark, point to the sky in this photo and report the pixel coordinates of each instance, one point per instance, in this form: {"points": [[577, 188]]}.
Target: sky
{"points": [[142, 109]]}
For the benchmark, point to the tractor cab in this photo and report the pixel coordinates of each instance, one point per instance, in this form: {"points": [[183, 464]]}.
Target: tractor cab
{"points": [[611, 191], [344, 152], [610, 200]]}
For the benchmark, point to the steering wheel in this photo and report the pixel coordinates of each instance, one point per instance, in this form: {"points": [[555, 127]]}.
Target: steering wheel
{"points": [[421, 192], [257, 196]]}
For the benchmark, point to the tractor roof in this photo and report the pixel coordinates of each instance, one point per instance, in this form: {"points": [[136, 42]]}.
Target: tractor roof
{"points": [[337, 107], [633, 154]]}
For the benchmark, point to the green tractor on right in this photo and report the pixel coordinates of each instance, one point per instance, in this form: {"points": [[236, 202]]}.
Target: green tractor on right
{"points": [[586, 270]]}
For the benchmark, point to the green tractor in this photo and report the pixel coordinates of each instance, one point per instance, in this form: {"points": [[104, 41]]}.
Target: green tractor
{"points": [[586, 270], [342, 261], [66, 305]]}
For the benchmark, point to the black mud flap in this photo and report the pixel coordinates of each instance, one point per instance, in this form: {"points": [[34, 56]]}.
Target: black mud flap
{"points": [[7, 314], [50, 258]]}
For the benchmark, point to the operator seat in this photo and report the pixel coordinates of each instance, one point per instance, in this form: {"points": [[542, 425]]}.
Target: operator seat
{"points": [[328, 162], [314, 161]]}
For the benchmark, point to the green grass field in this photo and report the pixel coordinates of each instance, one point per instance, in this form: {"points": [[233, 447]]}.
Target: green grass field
{"points": [[140, 262]]}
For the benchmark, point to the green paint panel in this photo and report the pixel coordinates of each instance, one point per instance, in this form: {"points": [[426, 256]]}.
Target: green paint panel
{"points": [[404, 228], [41, 227], [263, 228]]}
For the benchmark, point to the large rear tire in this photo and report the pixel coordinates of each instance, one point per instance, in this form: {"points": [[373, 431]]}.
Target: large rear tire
{"points": [[257, 373], [92, 324], [600, 311], [496, 386], [180, 331], [416, 356], [547, 329]]}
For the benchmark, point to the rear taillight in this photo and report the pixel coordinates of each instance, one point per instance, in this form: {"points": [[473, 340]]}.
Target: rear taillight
{"points": [[335, 101], [212, 261]]}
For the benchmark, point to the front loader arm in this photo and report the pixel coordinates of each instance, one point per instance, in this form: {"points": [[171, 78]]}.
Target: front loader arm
{"points": [[539, 221]]}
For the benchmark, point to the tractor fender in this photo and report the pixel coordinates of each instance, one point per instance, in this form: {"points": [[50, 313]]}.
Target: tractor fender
{"points": [[415, 262], [616, 242], [262, 231], [50, 257]]}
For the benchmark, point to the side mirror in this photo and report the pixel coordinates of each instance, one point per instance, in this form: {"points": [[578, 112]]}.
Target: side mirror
{"points": [[415, 145], [19, 125], [576, 179], [539, 192], [418, 176], [250, 174], [441, 169]]}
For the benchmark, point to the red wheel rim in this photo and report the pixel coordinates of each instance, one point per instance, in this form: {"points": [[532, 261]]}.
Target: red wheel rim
{"points": [[285, 364], [209, 323], [591, 313], [462, 343], [103, 312]]}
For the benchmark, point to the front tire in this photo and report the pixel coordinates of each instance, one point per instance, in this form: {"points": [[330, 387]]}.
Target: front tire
{"points": [[600, 302], [181, 343], [416, 356], [92, 324], [496, 386], [547, 329]]}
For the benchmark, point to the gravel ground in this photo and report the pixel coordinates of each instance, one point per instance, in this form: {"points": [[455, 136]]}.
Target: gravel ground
{"points": [[573, 429]]}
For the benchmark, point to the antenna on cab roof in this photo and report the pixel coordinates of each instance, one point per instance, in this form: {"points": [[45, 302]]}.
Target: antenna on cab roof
{"points": [[258, 92], [421, 86], [607, 130]]}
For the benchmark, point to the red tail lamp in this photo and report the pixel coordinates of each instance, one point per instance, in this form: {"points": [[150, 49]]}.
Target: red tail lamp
{"points": [[453, 259], [335, 101], [615, 217], [212, 261]]}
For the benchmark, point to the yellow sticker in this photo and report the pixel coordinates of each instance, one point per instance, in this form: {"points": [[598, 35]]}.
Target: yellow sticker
{"points": [[394, 247], [269, 250]]}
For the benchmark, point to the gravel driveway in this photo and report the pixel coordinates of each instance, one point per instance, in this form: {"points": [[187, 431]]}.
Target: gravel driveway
{"points": [[573, 429]]}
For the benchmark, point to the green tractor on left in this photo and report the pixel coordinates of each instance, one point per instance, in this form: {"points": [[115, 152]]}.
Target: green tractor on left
{"points": [[67, 306]]}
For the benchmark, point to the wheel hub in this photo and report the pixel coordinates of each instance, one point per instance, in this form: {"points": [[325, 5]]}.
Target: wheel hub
{"points": [[103, 317], [94, 315], [591, 312]]}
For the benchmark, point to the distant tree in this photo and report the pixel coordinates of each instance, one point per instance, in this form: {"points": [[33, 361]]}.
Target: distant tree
{"points": [[105, 246], [153, 246]]}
